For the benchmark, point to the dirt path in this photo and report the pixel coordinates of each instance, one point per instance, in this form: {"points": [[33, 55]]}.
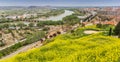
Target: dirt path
{"points": [[11, 44], [90, 32]]}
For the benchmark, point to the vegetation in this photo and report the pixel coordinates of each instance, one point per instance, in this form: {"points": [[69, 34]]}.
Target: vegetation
{"points": [[0, 35], [1, 27], [71, 20], [110, 32], [74, 46], [43, 23], [13, 35], [18, 11], [31, 25], [53, 13], [117, 29], [30, 39], [5, 20], [79, 13], [21, 25], [1, 43], [69, 48], [99, 25], [105, 27], [4, 26], [46, 28]]}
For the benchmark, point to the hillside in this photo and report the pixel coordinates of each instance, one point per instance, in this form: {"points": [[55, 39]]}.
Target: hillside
{"points": [[74, 47]]}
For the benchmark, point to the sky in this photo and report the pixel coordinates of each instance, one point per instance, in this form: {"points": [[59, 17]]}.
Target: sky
{"points": [[60, 2]]}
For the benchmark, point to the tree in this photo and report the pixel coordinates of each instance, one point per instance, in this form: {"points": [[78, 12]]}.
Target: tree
{"points": [[40, 24], [99, 25], [110, 31], [2, 43], [1, 27], [11, 33], [71, 20], [119, 35], [31, 24], [117, 29], [43, 23], [6, 26], [21, 25], [46, 28]]}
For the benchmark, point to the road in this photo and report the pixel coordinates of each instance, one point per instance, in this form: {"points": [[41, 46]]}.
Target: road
{"points": [[23, 49], [12, 44]]}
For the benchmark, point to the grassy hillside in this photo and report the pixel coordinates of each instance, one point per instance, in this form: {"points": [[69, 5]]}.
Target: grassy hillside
{"points": [[75, 47]]}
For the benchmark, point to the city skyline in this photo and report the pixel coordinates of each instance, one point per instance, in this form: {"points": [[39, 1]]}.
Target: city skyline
{"points": [[60, 2]]}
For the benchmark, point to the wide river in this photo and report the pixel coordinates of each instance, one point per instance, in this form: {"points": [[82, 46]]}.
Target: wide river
{"points": [[60, 17], [55, 18]]}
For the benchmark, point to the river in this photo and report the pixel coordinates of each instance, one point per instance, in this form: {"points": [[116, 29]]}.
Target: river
{"points": [[54, 18], [60, 17]]}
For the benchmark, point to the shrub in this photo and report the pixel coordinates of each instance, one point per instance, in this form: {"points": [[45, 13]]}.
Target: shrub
{"points": [[1, 43], [31, 25], [43, 23], [117, 29], [99, 25], [110, 32]]}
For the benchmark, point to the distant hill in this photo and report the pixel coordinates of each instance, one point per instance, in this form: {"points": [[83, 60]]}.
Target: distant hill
{"points": [[23, 7], [40, 7]]}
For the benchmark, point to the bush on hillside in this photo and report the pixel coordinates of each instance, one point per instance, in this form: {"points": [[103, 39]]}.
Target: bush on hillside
{"points": [[117, 29], [99, 25]]}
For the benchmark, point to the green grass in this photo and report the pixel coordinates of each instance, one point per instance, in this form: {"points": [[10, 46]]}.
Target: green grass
{"points": [[88, 48]]}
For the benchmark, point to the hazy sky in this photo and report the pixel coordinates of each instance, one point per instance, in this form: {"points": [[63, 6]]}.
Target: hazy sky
{"points": [[60, 2]]}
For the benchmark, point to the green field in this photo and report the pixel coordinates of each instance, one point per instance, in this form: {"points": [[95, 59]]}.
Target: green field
{"points": [[74, 47]]}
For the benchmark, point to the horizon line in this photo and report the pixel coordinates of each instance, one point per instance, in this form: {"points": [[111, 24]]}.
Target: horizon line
{"points": [[60, 6]]}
